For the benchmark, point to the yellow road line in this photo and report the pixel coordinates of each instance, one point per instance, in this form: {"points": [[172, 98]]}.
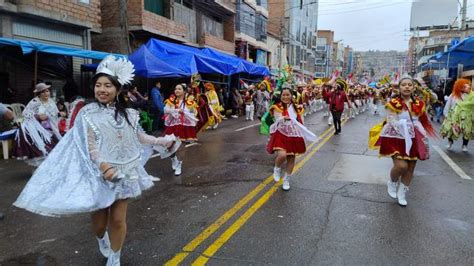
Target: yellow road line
{"points": [[216, 245], [191, 246]]}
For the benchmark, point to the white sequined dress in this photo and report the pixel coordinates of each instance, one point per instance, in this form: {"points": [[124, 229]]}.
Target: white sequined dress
{"points": [[69, 180]]}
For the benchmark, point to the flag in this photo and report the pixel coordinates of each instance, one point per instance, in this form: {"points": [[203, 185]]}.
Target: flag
{"points": [[244, 84]]}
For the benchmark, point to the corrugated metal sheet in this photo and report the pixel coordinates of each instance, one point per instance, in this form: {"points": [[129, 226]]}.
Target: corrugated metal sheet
{"points": [[43, 33], [23, 30]]}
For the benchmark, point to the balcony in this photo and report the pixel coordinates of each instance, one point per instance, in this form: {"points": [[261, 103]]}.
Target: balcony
{"points": [[154, 21], [219, 6]]}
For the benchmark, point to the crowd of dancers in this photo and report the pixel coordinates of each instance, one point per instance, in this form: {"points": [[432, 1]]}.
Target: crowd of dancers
{"points": [[96, 162]]}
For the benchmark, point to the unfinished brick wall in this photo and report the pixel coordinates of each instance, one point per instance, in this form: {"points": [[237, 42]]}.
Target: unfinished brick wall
{"points": [[218, 43], [276, 15], [64, 9]]}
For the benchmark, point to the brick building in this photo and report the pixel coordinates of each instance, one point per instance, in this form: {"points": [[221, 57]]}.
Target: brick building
{"points": [[196, 23], [68, 23]]}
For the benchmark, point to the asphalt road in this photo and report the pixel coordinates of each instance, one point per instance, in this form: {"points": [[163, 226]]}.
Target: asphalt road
{"points": [[225, 210]]}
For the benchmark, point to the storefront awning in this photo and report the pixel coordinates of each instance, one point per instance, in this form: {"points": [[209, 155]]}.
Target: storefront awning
{"points": [[29, 47]]}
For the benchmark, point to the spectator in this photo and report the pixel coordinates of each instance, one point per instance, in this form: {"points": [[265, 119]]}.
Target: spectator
{"points": [[237, 103], [136, 99], [157, 106]]}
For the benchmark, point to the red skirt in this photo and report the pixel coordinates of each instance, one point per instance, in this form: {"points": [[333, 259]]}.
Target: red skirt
{"points": [[393, 147], [25, 147], [292, 145], [182, 132]]}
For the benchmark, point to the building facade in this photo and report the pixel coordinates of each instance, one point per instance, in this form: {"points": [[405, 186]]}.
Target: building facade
{"points": [[296, 22], [337, 56], [196, 23], [67, 23], [251, 31], [348, 65], [324, 51]]}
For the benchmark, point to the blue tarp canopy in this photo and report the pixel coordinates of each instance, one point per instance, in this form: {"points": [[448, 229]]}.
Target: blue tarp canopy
{"points": [[243, 66], [28, 47], [149, 66], [192, 60], [461, 53]]}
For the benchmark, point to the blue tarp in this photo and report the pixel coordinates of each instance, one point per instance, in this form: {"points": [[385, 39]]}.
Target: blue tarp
{"points": [[461, 53], [149, 66], [243, 66], [28, 47], [194, 60]]}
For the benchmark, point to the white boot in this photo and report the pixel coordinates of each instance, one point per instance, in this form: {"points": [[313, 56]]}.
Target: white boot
{"points": [[177, 171], [113, 259], [464, 148], [247, 112], [155, 178], [252, 112], [392, 189], [276, 173], [174, 162], [402, 195], [286, 182], [104, 245], [449, 146]]}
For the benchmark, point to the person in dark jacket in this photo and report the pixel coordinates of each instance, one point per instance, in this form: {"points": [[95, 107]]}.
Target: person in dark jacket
{"points": [[157, 106]]}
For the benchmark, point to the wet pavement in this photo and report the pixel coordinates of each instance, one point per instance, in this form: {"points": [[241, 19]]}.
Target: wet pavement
{"points": [[337, 211]]}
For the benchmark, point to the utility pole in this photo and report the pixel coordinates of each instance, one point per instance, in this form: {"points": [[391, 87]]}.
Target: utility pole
{"points": [[463, 19], [125, 38], [280, 48]]}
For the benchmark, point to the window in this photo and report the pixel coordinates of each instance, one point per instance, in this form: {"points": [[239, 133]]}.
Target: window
{"points": [[155, 6], [213, 26], [84, 1], [263, 3], [245, 19], [261, 28]]}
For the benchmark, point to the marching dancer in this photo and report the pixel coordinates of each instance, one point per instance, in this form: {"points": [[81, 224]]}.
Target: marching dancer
{"points": [[403, 138], [180, 120], [453, 128], [39, 132], [249, 105], [96, 166], [214, 105], [288, 135]]}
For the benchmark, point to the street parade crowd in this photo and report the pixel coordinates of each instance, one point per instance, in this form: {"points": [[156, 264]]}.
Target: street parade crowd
{"points": [[90, 155]]}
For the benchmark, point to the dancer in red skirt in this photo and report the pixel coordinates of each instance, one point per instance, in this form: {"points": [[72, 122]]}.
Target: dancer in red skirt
{"points": [[288, 135], [406, 119], [180, 120]]}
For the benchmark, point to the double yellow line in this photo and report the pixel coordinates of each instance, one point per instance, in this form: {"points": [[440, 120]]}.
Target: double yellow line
{"points": [[224, 237]]}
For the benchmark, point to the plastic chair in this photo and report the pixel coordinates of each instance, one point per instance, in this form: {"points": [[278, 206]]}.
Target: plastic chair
{"points": [[4, 138], [17, 109]]}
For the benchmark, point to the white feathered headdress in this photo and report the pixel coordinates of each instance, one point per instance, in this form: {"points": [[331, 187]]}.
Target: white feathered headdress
{"points": [[121, 68]]}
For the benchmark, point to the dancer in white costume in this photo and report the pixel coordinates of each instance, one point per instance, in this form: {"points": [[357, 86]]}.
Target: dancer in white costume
{"points": [[98, 164]]}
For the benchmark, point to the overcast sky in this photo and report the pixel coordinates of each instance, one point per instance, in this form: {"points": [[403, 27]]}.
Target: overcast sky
{"points": [[367, 24]]}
